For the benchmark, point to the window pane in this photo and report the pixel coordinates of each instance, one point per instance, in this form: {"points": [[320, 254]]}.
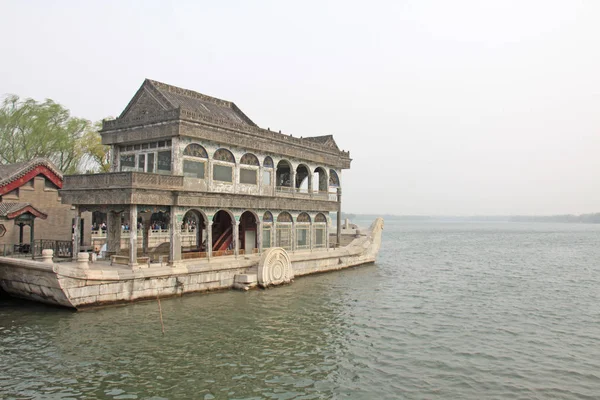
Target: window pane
{"points": [[193, 169], [222, 173], [266, 238], [319, 237], [302, 237], [284, 237], [127, 162], [150, 167], [248, 176], [141, 162], [267, 178], [164, 161]]}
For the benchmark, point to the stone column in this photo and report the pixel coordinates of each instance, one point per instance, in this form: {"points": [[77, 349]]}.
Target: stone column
{"points": [[176, 157], [293, 235], [146, 235], [209, 239], [133, 235], [339, 216], [209, 174], [113, 232], [32, 240], [259, 236], [114, 151], [236, 237], [76, 233], [175, 238], [310, 235], [236, 174], [293, 179], [21, 233], [327, 233]]}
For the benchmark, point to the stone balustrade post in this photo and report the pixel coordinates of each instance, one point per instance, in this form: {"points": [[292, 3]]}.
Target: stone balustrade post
{"points": [[83, 259], [47, 255]]}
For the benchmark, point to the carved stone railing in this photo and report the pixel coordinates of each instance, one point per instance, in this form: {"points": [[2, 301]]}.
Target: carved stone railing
{"points": [[142, 180], [289, 192], [111, 180]]}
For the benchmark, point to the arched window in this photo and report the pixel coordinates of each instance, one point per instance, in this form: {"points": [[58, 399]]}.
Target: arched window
{"points": [[303, 217], [224, 155], [249, 176], [195, 150], [267, 217], [267, 229], [268, 163], [284, 230], [303, 231], [320, 231], [284, 217], [267, 171], [249, 159], [320, 218], [223, 172], [194, 161]]}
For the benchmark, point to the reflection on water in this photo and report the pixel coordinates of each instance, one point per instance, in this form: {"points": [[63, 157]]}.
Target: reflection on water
{"points": [[450, 311]]}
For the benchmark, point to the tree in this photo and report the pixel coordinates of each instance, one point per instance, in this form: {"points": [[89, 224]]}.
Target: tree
{"points": [[30, 129], [97, 155]]}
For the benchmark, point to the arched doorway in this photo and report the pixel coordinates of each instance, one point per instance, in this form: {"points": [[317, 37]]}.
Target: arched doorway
{"points": [[334, 184], [248, 233], [283, 176], [193, 232], [222, 233], [322, 181], [303, 183]]}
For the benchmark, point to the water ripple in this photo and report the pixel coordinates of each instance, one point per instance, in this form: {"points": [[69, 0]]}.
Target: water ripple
{"points": [[466, 311]]}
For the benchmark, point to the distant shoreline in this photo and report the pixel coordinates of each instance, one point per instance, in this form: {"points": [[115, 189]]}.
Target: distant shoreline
{"points": [[567, 218]]}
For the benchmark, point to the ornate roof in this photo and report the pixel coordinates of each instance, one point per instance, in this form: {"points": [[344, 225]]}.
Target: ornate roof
{"points": [[159, 103], [326, 140], [13, 210], [14, 175], [172, 97]]}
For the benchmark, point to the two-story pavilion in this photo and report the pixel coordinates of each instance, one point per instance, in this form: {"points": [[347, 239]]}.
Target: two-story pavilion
{"points": [[195, 172]]}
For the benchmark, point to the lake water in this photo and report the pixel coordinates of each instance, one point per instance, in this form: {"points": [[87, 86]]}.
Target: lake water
{"points": [[450, 311]]}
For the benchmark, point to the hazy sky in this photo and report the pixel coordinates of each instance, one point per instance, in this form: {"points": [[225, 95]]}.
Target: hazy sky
{"points": [[447, 107]]}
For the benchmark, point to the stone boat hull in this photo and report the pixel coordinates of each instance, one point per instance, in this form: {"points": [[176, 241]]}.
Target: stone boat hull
{"points": [[70, 285]]}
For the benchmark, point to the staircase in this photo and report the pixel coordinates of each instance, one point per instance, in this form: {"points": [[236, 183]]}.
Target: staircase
{"points": [[224, 240]]}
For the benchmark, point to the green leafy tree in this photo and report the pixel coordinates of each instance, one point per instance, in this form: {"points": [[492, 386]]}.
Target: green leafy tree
{"points": [[97, 155], [30, 129]]}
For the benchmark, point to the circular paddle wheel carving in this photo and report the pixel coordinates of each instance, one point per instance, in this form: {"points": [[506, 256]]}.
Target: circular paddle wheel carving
{"points": [[274, 267]]}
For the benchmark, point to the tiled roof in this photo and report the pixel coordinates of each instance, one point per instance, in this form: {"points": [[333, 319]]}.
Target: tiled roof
{"points": [[9, 208], [325, 140], [200, 104], [10, 172], [13, 210]]}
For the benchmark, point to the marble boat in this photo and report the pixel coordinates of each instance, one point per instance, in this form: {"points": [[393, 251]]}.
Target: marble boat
{"points": [[83, 283], [199, 197]]}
